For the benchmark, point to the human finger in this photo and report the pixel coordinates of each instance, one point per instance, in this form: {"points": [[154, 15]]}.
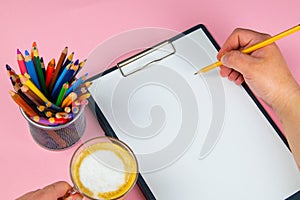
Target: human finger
{"points": [[243, 63], [233, 75], [27, 195], [225, 71], [57, 189], [241, 39], [239, 80]]}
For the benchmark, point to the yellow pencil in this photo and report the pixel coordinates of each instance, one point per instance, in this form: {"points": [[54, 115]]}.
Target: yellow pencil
{"points": [[84, 96], [255, 47], [33, 88], [69, 99]]}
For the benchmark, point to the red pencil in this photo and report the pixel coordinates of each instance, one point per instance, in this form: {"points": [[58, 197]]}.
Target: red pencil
{"points": [[57, 121], [49, 72], [21, 62]]}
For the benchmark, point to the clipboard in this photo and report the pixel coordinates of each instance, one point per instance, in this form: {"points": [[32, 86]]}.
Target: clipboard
{"points": [[194, 136]]}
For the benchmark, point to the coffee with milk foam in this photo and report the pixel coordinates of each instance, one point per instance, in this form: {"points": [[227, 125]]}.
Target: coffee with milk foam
{"points": [[104, 171]]}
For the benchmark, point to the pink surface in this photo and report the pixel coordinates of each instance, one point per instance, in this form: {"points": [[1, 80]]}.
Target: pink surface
{"points": [[81, 25]]}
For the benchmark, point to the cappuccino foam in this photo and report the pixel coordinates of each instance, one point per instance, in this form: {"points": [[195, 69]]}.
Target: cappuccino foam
{"points": [[104, 170]]}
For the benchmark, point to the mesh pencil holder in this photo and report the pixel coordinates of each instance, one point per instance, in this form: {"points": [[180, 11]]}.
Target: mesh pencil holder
{"points": [[58, 137]]}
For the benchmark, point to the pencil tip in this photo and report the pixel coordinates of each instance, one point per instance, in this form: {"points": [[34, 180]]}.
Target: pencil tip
{"points": [[8, 67], [34, 44], [18, 51], [27, 53]]}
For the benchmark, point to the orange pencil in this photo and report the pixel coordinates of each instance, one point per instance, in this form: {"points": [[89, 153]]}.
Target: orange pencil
{"points": [[49, 72], [32, 49], [26, 108]]}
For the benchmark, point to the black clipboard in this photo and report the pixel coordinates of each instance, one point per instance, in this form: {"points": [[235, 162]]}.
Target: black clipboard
{"points": [[109, 130]]}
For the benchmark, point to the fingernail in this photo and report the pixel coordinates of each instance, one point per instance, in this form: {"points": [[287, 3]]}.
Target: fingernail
{"points": [[224, 59]]}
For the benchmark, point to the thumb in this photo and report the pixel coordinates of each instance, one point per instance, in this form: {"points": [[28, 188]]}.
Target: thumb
{"points": [[76, 196], [238, 61]]}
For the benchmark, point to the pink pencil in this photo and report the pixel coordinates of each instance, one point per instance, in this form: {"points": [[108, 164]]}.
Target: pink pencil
{"points": [[21, 62]]}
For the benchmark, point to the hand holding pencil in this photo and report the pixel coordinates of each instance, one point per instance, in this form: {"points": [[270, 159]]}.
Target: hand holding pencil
{"points": [[51, 96], [252, 47], [264, 70]]}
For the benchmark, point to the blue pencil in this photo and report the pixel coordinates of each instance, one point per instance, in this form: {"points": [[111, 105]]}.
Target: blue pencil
{"points": [[59, 80], [76, 84], [65, 76], [31, 70], [53, 106]]}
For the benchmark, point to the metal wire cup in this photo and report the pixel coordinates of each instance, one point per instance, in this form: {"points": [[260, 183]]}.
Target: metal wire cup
{"points": [[58, 137]]}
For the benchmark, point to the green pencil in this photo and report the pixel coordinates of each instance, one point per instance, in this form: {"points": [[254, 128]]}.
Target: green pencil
{"points": [[40, 72], [62, 93]]}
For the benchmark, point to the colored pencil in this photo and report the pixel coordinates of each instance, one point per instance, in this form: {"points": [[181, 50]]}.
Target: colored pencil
{"points": [[33, 46], [81, 91], [12, 74], [64, 115], [67, 62], [31, 70], [84, 96], [21, 62], [67, 109], [33, 88], [69, 99], [57, 121], [62, 93], [49, 114], [43, 67], [255, 47], [64, 77], [75, 109], [57, 69], [82, 102], [35, 83], [76, 84], [49, 73], [53, 106], [45, 109], [37, 100], [22, 104], [41, 120], [40, 72], [41, 108], [27, 100], [81, 64], [59, 82]]}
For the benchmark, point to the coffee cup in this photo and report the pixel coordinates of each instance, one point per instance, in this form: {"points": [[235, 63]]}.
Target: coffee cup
{"points": [[103, 168]]}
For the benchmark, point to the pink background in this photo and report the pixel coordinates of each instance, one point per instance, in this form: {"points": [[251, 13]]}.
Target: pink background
{"points": [[81, 25]]}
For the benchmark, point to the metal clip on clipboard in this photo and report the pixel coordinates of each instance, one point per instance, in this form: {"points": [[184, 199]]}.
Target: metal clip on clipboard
{"points": [[149, 56]]}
